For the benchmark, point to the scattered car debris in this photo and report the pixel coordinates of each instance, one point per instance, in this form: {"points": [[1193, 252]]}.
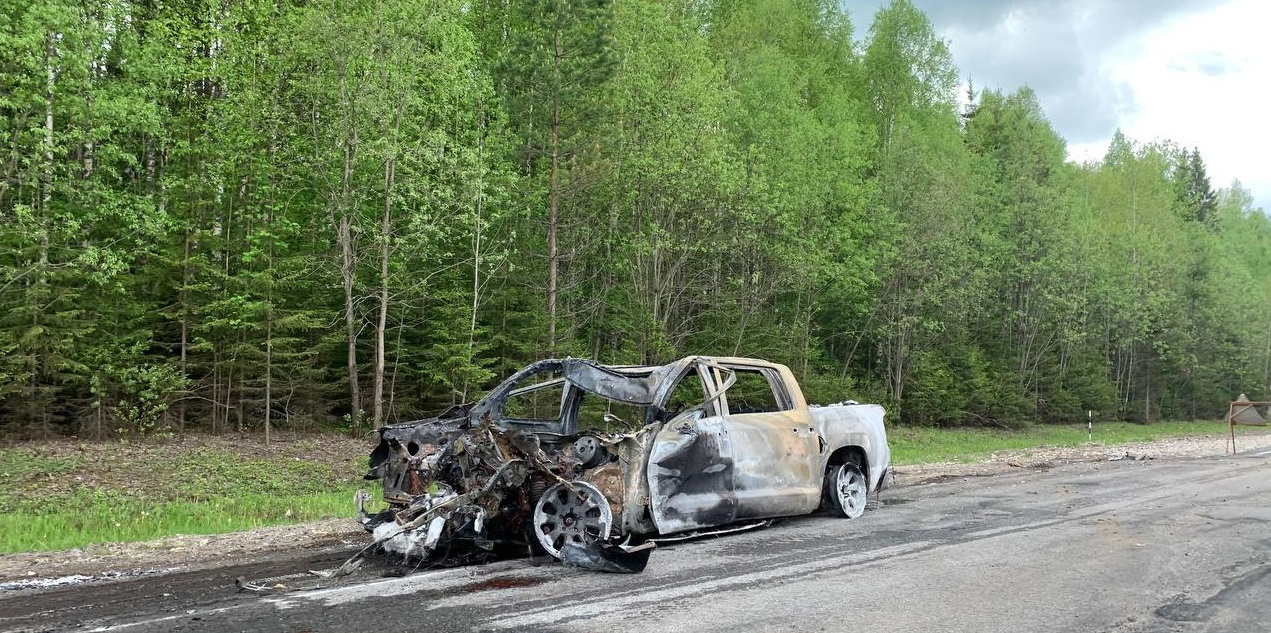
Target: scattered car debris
{"points": [[601, 556], [245, 585], [75, 579], [1130, 457], [592, 463], [42, 583]]}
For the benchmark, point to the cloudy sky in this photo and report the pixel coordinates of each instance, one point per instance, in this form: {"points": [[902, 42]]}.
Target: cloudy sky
{"points": [[1196, 72]]}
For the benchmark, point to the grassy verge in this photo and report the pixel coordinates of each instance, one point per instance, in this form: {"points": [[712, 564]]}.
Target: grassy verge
{"points": [[61, 495], [914, 445], [112, 519], [66, 494]]}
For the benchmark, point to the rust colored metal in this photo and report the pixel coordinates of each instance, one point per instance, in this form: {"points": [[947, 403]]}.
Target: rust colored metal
{"points": [[716, 441]]}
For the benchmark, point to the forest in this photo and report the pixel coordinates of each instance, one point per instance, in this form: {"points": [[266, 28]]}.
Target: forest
{"points": [[245, 215]]}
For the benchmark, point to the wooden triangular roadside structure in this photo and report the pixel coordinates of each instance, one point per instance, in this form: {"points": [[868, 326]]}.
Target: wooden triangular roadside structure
{"points": [[1242, 411]]}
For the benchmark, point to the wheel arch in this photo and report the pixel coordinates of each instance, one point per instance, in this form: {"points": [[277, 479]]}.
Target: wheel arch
{"points": [[849, 455], [856, 456]]}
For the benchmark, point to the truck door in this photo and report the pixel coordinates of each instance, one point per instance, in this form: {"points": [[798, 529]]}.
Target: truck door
{"points": [[690, 469], [776, 448]]}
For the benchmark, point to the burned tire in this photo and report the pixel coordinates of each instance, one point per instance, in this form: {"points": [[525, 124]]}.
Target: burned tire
{"points": [[576, 512], [846, 491]]}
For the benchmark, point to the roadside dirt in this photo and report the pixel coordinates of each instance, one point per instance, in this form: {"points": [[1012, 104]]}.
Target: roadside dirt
{"points": [[187, 553], [1047, 456]]}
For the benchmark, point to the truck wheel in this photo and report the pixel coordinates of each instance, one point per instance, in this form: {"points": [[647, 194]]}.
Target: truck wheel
{"points": [[574, 512], [846, 491]]}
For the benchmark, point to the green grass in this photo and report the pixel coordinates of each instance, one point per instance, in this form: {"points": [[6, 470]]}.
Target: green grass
{"points": [[62, 495], [18, 466], [67, 494], [117, 518], [914, 445]]}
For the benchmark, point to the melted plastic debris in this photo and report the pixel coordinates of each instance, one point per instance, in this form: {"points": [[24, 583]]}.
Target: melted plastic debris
{"points": [[75, 579]]}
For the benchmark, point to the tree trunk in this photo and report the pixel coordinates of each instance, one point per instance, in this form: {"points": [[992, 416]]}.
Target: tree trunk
{"points": [[269, 336], [46, 180], [476, 259], [377, 404], [39, 417], [347, 270], [269, 371], [241, 407], [216, 389], [553, 257], [185, 329]]}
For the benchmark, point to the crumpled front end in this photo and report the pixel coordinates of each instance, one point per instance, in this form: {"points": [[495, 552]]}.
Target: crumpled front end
{"points": [[517, 469], [467, 490]]}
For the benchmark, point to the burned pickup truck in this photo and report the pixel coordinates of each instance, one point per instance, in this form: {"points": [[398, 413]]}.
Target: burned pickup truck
{"points": [[577, 457]]}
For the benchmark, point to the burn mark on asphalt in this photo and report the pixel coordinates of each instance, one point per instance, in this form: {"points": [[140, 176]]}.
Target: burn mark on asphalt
{"points": [[505, 582], [1241, 588]]}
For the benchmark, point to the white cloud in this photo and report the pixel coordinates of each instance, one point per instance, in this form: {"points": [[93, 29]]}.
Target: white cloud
{"points": [[1202, 81], [1196, 72], [1053, 48]]}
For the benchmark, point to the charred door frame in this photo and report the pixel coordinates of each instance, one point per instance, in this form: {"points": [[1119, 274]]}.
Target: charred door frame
{"points": [[777, 464], [690, 467]]}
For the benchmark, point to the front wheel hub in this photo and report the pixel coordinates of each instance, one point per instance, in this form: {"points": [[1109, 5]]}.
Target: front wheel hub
{"points": [[571, 512]]}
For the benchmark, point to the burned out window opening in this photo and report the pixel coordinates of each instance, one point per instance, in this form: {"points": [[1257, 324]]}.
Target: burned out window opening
{"points": [[596, 413], [688, 393], [543, 401], [757, 391]]}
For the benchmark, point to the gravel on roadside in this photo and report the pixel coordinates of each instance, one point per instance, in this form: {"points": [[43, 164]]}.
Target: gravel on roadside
{"points": [[186, 552], [1044, 456]]}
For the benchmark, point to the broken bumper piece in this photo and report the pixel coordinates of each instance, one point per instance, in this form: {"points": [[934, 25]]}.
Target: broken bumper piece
{"points": [[599, 556]]}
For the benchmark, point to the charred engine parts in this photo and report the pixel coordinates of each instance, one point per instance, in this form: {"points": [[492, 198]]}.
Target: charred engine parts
{"points": [[517, 494], [528, 466], [590, 452]]}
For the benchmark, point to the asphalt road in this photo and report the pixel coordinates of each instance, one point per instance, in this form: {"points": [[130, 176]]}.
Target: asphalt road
{"points": [[1127, 546]]}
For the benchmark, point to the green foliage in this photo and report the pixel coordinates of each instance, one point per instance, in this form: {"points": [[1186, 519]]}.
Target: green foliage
{"points": [[20, 468], [916, 445], [60, 495], [102, 517], [285, 214]]}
